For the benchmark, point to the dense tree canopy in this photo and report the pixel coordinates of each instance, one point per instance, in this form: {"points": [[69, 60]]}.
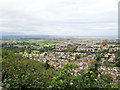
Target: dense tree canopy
{"points": [[19, 72]]}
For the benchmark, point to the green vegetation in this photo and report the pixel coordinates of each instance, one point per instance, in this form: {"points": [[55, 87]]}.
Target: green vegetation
{"points": [[23, 72], [19, 72]]}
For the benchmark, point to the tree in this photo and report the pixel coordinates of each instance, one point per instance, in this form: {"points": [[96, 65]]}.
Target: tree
{"points": [[77, 56], [20, 72], [64, 78]]}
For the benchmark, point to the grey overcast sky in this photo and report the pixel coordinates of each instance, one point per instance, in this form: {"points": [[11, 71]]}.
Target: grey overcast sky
{"points": [[59, 17]]}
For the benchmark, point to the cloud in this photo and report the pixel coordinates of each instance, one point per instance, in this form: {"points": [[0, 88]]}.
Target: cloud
{"points": [[59, 17]]}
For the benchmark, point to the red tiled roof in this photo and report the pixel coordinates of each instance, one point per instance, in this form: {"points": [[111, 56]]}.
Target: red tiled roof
{"points": [[113, 76], [86, 68], [78, 69], [80, 63]]}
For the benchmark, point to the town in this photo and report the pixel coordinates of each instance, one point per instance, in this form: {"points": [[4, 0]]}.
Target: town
{"points": [[57, 52], [80, 52]]}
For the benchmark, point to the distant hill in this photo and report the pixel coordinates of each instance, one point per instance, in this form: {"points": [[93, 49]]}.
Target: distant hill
{"points": [[52, 36]]}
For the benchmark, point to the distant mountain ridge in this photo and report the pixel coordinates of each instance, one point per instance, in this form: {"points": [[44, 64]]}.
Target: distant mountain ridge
{"points": [[53, 36]]}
